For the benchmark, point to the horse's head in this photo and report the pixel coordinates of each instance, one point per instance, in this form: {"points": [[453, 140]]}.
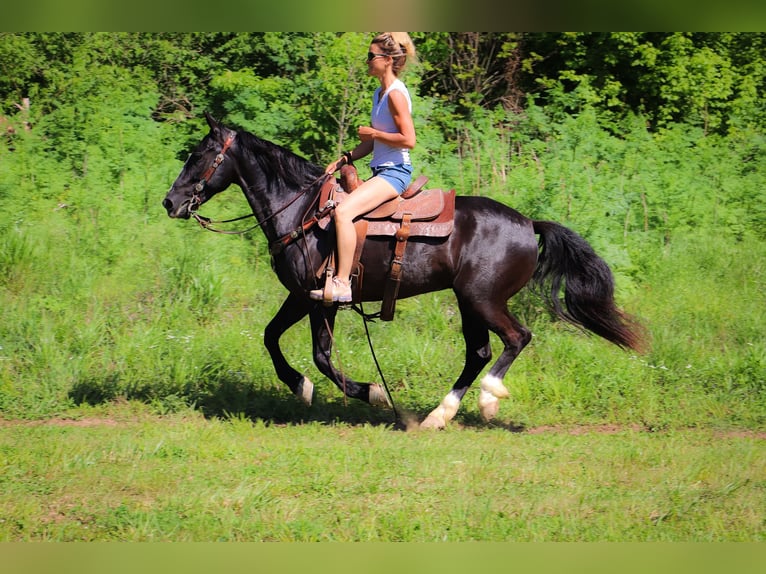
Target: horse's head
{"points": [[204, 174]]}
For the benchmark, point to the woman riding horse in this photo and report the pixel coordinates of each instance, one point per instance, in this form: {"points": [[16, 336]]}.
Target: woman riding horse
{"points": [[390, 138]]}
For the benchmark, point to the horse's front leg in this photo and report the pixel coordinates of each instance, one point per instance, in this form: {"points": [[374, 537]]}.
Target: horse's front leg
{"points": [[322, 325], [293, 310]]}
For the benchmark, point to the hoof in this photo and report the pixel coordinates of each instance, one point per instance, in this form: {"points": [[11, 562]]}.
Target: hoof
{"points": [[433, 421], [489, 405], [379, 397], [441, 415], [305, 391]]}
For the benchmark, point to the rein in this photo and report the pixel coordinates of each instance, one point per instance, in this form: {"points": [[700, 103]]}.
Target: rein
{"points": [[207, 223], [279, 244]]}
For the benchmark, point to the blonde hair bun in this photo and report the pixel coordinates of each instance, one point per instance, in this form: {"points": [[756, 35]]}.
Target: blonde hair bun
{"points": [[399, 46]]}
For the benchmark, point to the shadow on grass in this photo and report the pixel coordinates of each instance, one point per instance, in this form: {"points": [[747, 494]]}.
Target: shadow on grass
{"points": [[474, 420], [233, 396]]}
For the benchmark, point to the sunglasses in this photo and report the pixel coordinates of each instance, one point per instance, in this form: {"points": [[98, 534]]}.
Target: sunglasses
{"points": [[372, 55]]}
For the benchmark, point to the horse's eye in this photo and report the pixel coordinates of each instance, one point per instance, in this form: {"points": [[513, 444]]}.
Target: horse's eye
{"points": [[193, 160]]}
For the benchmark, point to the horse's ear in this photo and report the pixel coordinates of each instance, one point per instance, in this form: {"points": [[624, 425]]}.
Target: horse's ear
{"points": [[211, 121], [217, 129]]}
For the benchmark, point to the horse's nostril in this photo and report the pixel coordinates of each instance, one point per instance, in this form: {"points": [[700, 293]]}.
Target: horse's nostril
{"points": [[167, 204]]}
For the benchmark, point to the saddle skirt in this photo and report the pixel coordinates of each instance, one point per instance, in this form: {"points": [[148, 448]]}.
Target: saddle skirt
{"points": [[431, 212]]}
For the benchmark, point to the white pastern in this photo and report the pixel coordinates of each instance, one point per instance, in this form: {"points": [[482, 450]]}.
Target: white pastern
{"points": [[379, 397], [444, 413], [492, 389], [495, 386], [305, 391]]}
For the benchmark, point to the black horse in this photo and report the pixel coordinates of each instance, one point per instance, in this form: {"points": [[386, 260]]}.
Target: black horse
{"points": [[491, 254]]}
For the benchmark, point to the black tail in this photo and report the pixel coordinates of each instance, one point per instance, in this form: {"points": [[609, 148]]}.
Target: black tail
{"points": [[588, 286]]}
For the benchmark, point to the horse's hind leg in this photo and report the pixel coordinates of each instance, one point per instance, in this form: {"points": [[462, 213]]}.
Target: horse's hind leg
{"points": [[514, 337], [478, 353], [477, 321]]}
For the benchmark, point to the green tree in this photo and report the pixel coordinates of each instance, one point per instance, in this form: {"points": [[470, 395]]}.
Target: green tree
{"points": [[470, 68], [701, 78], [319, 95]]}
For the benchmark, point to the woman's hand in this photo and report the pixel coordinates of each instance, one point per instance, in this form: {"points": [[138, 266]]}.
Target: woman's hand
{"points": [[334, 166], [366, 133]]}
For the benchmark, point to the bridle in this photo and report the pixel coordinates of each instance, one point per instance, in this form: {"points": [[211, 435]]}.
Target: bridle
{"points": [[206, 223], [196, 202]]}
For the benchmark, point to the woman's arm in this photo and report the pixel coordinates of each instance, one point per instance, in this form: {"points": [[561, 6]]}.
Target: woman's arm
{"points": [[400, 112], [361, 150]]}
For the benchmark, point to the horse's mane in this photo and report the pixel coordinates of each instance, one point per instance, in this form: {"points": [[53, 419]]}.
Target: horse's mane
{"points": [[278, 163]]}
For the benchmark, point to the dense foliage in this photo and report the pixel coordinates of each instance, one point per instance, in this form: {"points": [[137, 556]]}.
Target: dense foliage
{"points": [[651, 145]]}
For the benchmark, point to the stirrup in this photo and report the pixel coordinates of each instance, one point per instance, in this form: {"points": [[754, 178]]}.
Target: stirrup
{"points": [[340, 293]]}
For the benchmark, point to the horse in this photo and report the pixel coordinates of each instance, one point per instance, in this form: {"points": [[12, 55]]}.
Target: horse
{"points": [[492, 252]]}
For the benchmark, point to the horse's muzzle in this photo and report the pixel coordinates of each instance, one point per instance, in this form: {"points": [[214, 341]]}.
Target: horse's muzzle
{"points": [[180, 211]]}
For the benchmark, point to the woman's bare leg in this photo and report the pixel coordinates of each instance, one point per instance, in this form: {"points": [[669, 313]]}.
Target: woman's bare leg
{"points": [[365, 198]]}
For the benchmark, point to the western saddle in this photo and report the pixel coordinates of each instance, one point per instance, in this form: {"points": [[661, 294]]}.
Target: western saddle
{"points": [[417, 212]]}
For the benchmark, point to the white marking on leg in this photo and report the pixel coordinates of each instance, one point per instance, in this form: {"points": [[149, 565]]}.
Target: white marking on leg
{"points": [[489, 405], [305, 391], [495, 386], [444, 413], [492, 389], [379, 397]]}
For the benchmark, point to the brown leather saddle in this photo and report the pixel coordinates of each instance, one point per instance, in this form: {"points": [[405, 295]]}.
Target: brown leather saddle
{"points": [[417, 212]]}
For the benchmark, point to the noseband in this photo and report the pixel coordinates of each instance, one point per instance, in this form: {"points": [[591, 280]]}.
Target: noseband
{"points": [[200, 185]]}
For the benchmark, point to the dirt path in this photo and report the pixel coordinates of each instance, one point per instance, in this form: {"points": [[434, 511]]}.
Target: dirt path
{"points": [[574, 430]]}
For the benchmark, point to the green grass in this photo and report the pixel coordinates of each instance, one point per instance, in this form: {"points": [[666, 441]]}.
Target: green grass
{"points": [[125, 474]]}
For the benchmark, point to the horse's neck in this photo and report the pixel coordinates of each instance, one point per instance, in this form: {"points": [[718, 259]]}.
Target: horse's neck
{"points": [[280, 207]]}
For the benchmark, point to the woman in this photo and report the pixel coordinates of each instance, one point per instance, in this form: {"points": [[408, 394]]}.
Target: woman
{"points": [[389, 138]]}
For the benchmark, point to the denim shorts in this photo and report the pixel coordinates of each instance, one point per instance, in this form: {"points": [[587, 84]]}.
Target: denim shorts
{"points": [[399, 176]]}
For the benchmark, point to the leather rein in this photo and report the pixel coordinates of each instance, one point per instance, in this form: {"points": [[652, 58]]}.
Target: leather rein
{"points": [[206, 223]]}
